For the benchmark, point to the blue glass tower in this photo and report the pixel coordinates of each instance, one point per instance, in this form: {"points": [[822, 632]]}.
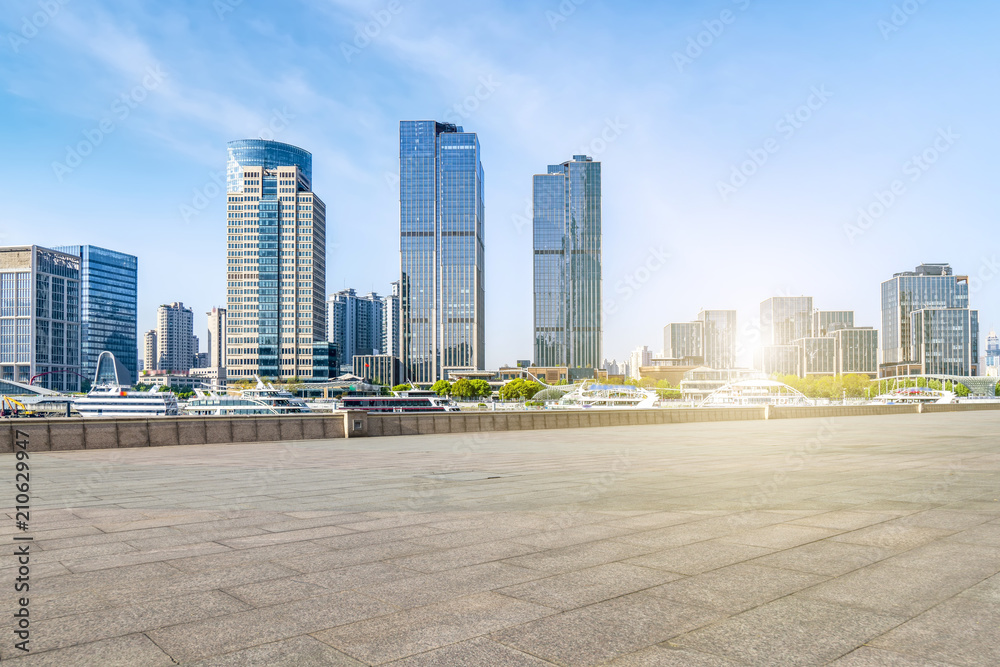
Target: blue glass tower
{"points": [[108, 308], [567, 264], [441, 215]]}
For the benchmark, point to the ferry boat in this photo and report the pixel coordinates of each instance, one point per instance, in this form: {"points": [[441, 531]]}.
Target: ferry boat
{"points": [[261, 400], [404, 402], [112, 400]]}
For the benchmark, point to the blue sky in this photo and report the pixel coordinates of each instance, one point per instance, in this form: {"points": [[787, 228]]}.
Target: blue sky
{"points": [[670, 97]]}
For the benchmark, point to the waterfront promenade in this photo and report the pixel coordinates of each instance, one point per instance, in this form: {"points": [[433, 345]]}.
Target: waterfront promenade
{"points": [[848, 541]]}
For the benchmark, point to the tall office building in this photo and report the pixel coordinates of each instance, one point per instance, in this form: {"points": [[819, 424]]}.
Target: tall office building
{"points": [[719, 338], [992, 355], [151, 349], [857, 351], [441, 209], [39, 318], [277, 261], [783, 321], [355, 325], [390, 323], [175, 338], [927, 326], [108, 308], [567, 264], [216, 342], [685, 341], [825, 322]]}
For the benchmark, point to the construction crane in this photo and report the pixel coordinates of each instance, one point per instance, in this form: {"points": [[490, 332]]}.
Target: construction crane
{"points": [[11, 407]]}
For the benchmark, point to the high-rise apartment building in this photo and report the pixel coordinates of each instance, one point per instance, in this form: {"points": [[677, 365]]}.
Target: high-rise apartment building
{"points": [[151, 350], [276, 278], [441, 208], [40, 318], [175, 339], [355, 325], [390, 323], [567, 264], [942, 340], [108, 308], [216, 341]]}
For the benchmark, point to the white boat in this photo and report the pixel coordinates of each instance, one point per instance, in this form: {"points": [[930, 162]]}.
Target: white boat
{"points": [[261, 400], [413, 400], [609, 396], [112, 400]]}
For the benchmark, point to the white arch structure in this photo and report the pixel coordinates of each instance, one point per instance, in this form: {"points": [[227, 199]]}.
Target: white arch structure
{"points": [[755, 392]]}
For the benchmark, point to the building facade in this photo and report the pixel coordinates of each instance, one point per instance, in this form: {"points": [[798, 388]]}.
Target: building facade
{"points": [[825, 322], [929, 286], [151, 349], [40, 317], [945, 341], [383, 369], [276, 281], [992, 361], [719, 338], [390, 323], [441, 207], [108, 308], [857, 351], [817, 356], [567, 264], [216, 340], [640, 357], [355, 324], [685, 341], [175, 340]]}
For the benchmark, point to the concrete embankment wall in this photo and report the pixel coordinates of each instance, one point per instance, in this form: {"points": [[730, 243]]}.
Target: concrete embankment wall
{"points": [[69, 434]]}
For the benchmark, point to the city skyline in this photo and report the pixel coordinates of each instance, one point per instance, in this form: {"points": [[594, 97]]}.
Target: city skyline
{"points": [[851, 136]]}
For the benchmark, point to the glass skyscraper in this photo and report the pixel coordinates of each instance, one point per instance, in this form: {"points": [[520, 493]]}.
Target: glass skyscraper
{"points": [[928, 344], [39, 318], [275, 307], [719, 329], [567, 264], [441, 212], [685, 341], [108, 307]]}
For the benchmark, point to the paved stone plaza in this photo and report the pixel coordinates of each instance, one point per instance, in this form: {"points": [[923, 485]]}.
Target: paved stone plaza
{"points": [[850, 542]]}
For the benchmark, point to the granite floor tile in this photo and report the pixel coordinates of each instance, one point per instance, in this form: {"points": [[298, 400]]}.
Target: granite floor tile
{"points": [[583, 587], [118, 652], [578, 556], [867, 656], [780, 536], [665, 655], [825, 557], [789, 632], [424, 589], [479, 651], [737, 587], [390, 637], [301, 651], [699, 557], [960, 631], [606, 630]]}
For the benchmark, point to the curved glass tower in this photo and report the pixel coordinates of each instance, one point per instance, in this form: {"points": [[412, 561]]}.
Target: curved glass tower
{"points": [[266, 154]]}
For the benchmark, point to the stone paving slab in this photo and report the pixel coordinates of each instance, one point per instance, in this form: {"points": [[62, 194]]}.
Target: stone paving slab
{"points": [[846, 541]]}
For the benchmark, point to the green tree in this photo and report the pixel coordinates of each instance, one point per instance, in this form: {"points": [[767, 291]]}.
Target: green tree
{"points": [[462, 389], [481, 388], [519, 389], [402, 387], [961, 390], [441, 388]]}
